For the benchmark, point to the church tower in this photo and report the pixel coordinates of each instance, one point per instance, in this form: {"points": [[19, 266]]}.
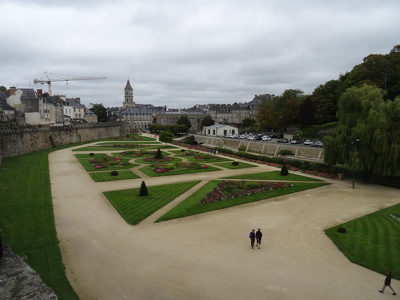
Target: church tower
{"points": [[128, 102]]}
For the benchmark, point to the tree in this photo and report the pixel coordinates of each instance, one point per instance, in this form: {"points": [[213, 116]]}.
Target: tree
{"points": [[248, 123], [158, 154], [207, 121], [143, 189], [326, 97], [101, 112], [284, 170], [184, 120], [165, 136], [368, 136], [3, 88]]}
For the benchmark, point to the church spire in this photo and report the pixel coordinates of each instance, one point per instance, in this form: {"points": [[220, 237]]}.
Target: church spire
{"points": [[128, 91]]}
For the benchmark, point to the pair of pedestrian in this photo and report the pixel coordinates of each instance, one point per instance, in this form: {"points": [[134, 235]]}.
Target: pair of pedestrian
{"points": [[387, 282], [255, 236]]}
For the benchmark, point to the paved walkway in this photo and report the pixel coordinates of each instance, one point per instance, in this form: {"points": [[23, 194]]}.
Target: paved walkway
{"points": [[208, 256]]}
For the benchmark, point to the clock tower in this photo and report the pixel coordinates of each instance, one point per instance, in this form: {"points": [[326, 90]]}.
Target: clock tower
{"points": [[128, 102]]}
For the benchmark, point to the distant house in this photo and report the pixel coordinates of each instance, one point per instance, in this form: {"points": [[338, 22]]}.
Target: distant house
{"points": [[219, 130], [7, 113]]}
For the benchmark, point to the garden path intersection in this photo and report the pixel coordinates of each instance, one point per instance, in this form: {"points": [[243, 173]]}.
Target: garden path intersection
{"points": [[208, 256]]}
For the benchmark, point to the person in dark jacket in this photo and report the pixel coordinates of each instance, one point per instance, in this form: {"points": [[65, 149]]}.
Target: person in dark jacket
{"points": [[387, 282], [252, 237], [258, 237]]}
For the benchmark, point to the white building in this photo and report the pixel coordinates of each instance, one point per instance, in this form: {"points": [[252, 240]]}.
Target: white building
{"points": [[219, 130]]}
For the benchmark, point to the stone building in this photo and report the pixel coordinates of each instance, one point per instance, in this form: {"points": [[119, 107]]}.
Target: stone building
{"points": [[236, 112], [172, 117]]}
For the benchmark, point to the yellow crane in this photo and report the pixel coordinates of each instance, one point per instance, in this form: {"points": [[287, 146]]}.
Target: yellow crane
{"points": [[50, 80]]}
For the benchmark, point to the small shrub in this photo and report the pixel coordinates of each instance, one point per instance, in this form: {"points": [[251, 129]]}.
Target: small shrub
{"points": [[91, 154], [285, 152], [251, 185], [158, 155], [235, 163], [342, 230], [114, 173], [143, 189], [242, 148], [183, 150], [284, 171]]}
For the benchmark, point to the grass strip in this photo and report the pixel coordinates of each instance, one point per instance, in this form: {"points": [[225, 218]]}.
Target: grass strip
{"points": [[148, 170], [106, 176], [274, 175], [27, 219], [372, 241], [88, 166], [191, 206], [241, 165], [134, 208]]}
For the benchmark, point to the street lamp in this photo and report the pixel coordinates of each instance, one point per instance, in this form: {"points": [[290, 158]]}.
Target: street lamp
{"points": [[355, 151]]}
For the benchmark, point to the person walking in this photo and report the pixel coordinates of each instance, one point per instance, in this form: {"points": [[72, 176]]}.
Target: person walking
{"points": [[252, 237], [258, 237], [387, 282]]}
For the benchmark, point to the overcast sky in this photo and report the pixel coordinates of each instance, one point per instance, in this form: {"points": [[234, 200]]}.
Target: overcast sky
{"points": [[180, 52]]}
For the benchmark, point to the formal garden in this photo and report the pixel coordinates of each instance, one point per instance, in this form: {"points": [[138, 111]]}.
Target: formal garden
{"points": [[28, 226]]}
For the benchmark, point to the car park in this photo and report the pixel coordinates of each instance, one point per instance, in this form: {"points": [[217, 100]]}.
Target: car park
{"points": [[317, 144], [283, 140], [307, 142], [266, 138], [296, 141]]}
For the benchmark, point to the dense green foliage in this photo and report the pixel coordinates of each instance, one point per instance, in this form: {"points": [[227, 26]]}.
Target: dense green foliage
{"points": [[101, 112], [158, 154], [284, 170], [368, 135], [184, 120], [27, 220], [207, 121], [166, 136], [294, 109]]}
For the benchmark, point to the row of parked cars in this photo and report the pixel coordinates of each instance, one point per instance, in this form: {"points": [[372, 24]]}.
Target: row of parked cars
{"points": [[280, 139]]}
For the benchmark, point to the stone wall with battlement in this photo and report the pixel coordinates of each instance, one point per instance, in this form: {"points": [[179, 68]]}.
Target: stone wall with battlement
{"points": [[17, 142]]}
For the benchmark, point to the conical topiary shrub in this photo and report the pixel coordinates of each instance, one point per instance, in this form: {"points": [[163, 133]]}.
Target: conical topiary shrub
{"points": [[158, 155], [284, 171], [143, 189]]}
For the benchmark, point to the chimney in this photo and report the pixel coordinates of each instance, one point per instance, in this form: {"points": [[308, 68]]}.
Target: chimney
{"points": [[13, 89], [39, 91]]}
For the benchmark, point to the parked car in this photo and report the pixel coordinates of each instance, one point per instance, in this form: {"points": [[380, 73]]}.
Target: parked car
{"points": [[258, 137], [251, 138], [283, 140], [307, 142], [296, 141], [317, 144], [266, 138]]}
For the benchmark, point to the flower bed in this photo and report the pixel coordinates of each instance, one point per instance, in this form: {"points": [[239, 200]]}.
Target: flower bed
{"points": [[233, 189], [179, 166], [152, 159]]}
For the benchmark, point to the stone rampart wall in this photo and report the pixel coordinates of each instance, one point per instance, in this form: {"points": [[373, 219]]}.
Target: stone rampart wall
{"points": [[17, 142], [267, 148]]}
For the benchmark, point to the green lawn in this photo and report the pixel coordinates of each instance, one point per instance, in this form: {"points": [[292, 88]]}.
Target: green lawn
{"points": [[212, 158], [148, 170], [27, 220], [106, 176], [142, 161], [90, 168], [135, 208], [191, 205], [372, 241], [241, 165], [274, 175]]}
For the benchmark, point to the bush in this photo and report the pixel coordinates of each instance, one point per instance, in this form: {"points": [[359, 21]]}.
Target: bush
{"points": [[183, 150], [342, 230], [251, 185], [285, 152], [91, 154], [242, 148], [114, 173], [284, 171], [143, 189], [158, 155], [235, 163]]}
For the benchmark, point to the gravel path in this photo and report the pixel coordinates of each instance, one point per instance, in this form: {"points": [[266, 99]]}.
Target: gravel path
{"points": [[208, 256]]}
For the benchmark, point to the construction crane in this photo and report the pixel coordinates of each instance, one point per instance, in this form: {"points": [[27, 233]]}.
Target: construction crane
{"points": [[50, 80]]}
